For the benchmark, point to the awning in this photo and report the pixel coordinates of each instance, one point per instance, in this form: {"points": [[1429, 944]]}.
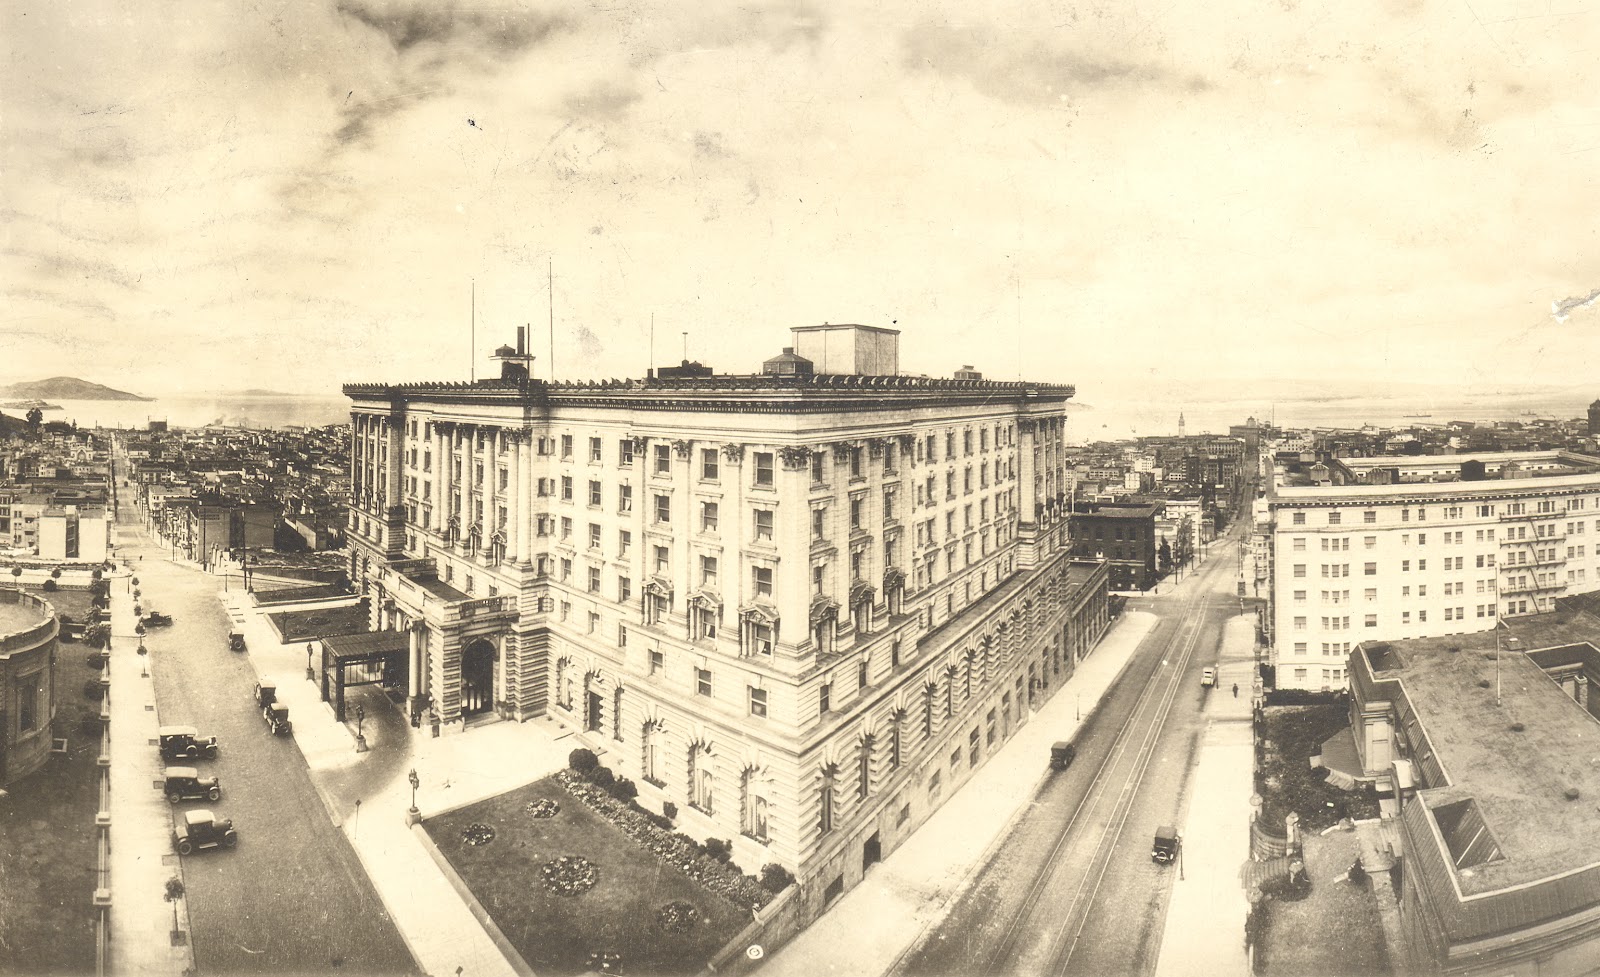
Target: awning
{"points": [[364, 646]]}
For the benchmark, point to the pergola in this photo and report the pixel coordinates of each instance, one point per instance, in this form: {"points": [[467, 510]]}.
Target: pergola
{"points": [[378, 658]]}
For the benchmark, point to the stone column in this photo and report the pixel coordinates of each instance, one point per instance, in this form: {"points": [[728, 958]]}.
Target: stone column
{"points": [[525, 498], [414, 665]]}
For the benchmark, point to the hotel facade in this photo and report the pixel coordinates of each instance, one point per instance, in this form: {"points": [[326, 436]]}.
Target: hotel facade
{"points": [[1405, 549], [801, 606]]}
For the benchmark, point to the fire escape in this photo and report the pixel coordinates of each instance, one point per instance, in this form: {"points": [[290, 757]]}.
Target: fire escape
{"points": [[1532, 558]]}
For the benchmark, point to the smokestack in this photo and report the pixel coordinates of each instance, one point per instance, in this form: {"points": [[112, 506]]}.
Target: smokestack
{"points": [[522, 341]]}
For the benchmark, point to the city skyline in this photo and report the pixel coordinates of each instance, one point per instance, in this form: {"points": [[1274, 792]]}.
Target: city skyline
{"points": [[1389, 194]]}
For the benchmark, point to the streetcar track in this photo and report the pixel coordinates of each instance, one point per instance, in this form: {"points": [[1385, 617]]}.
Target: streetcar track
{"points": [[1120, 745]]}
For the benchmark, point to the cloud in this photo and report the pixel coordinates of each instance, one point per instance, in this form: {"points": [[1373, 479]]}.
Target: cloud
{"points": [[1020, 67]]}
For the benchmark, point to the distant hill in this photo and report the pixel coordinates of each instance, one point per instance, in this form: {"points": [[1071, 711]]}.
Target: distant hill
{"points": [[65, 388]]}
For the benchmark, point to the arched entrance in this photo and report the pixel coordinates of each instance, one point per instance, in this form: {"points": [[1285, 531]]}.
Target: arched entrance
{"points": [[477, 677]]}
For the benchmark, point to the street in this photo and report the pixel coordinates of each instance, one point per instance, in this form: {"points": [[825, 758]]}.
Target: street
{"points": [[292, 898], [1073, 888]]}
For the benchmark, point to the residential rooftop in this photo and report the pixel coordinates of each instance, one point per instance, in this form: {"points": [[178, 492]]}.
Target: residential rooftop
{"points": [[1519, 779]]}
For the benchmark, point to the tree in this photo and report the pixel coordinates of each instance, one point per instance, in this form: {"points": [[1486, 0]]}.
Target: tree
{"points": [[173, 894], [35, 417], [1164, 558]]}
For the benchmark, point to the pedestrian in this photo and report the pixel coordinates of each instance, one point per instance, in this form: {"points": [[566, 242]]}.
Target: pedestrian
{"points": [[1236, 690]]}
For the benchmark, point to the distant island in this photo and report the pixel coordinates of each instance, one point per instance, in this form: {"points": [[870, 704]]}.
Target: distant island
{"points": [[65, 388]]}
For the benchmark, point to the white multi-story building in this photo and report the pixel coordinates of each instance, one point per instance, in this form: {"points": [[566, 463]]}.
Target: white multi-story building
{"points": [[1432, 556], [800, 607]]}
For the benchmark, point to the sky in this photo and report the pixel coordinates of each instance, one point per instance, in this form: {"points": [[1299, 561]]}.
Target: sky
{"points": [[1143, 199]]}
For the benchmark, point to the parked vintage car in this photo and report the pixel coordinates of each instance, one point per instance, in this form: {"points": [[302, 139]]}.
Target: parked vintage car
{"points": [[200, 829], [277, 717], [156, 619], [1061, 755], [185, 743], [186, 784], [1208, 676], [236, 641], [1165, 847]]}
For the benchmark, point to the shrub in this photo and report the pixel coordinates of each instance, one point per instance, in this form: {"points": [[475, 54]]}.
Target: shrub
{"points": [[720, 849], [659, 820], [623, 790], [669, 811], [602, 777], [775, 878], [582, 761], [49, 586], [55, 574]]}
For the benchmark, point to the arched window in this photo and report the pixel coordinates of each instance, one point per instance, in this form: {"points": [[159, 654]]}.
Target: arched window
{"points": [[650, 748], [864, 768], [616, 714], [755, 806], [825, 801], [702, 779]]}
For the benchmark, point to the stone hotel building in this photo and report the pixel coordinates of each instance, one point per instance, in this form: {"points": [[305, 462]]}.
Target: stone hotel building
{"points": [[1405, 548], [802, 605]]}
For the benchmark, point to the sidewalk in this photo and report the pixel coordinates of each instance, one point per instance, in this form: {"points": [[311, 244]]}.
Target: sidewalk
{"points": [[918, 882], [1204, 929], [142, 859], [367, 793]]}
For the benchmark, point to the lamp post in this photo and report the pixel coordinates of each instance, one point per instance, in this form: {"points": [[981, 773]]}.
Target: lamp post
{"points": [[412, 814], [361, 741], [311, 676]]}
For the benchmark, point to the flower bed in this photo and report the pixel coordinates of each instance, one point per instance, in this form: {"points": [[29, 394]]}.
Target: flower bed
{"points": [[679, 849], [544, 807], [476, 834], [677, 916], [569, 875]]}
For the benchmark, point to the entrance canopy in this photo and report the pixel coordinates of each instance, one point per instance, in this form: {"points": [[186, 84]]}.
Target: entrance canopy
{"points": [[369, 658]]}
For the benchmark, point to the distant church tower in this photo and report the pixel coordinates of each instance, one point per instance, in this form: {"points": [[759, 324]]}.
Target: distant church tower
{"points": [[1594, 417]]}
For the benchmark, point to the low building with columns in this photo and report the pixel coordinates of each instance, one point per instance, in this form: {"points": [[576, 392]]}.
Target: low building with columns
{"points": [[802, 607]]}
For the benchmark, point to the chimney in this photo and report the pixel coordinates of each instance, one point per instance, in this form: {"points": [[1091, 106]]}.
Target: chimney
{"points": [[522, 341]]}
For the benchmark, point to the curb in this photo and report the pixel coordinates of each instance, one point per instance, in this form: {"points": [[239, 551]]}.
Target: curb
{"points": [[519, 965]]}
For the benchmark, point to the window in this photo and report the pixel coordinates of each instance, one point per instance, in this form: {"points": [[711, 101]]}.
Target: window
{"points": [[624, 590], [856, 505], [708, 517], [624, 542], [1299, 569], [566, 527], [663, 561], [708, 571], [28, 703], [1335, 518], [708, 464], [1370, 569], [663, 508], [702, 681], [1371, 620], [758, 702], [594, 536], [625, 498], [594, 580], [1299, 544], [817, 523], [1299, 519], [566, 447], [762, 577], [566, 488], [594, 449], [816, 468], [656, 662], [824, 695], [763, 469], [625, 452], [594, 493], [763, 524]]}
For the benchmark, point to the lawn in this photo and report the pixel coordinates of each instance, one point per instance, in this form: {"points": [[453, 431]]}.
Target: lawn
{"points": [[1288, 782], [47, 835], [556, 933], [1335, 930]]}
